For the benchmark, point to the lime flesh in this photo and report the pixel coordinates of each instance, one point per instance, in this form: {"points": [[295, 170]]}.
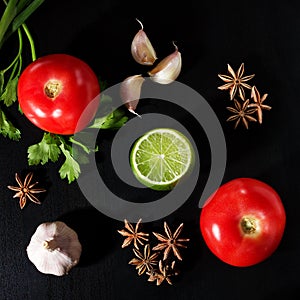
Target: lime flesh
{"points": [[161, 157]]}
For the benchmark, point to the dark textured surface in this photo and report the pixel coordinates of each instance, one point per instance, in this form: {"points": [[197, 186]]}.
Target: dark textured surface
{"points": [[262, 34]]}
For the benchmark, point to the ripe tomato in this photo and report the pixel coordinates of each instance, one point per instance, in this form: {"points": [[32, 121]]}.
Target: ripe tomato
{"points": [[243, 222], [59, 93]]}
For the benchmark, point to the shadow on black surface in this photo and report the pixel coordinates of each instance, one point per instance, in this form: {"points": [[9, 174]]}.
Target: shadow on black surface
{"points": [[95, 233], [287, 293]]}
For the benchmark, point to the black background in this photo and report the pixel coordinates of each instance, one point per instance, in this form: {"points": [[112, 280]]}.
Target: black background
{"points": [[262, 34]]}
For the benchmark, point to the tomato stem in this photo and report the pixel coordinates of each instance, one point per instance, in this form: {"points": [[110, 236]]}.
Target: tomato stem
{"points": [[249, 225], [52, 88]]}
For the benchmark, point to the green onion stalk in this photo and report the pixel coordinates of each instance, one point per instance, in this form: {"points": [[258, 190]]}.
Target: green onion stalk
{"points": [[13, 19]]}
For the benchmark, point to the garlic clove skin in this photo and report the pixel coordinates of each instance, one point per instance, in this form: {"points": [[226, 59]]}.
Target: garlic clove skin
{"points": [[141, 48], [168, 69], [130, 91], [54, 248]]}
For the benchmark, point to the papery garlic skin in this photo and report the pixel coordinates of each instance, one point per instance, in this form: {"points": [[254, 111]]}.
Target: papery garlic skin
{"points": [[54, 248], [130, 91], [168, 69], [141, 48]]}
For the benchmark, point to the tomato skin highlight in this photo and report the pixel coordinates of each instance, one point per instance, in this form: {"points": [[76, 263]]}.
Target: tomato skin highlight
{"points": [[59, 93], [243, 243]]}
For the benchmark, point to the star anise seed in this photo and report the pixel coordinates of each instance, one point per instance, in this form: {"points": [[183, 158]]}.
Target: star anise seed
{"points": [[25, 190], [165, 272], [170, 241], [144, 262], [133, 234], [236, 82], [258, 103], [241, 112]]}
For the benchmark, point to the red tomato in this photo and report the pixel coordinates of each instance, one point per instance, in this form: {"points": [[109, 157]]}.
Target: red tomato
{"points": [[59, 93], [243, 222]]}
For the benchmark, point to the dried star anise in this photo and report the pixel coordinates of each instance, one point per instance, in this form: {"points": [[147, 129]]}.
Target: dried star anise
{"points": [[235, 82], [25, 190], [158, 265], [241, 112], [133, 234], [258, 103], [144, 262], [170, 241], [165, 272]]}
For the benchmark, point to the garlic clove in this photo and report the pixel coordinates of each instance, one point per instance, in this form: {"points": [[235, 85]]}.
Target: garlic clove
{"points": [[130, 91], [142, 49], [168, 69], [54, 248]]}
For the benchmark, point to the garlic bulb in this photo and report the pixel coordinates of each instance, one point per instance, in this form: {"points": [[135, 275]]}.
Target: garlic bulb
{"points": [[54, 248], [130, 91], [168, 69], [142, 49]]}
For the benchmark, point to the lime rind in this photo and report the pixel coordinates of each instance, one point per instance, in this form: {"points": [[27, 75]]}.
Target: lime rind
{"points": [[161, 157]]}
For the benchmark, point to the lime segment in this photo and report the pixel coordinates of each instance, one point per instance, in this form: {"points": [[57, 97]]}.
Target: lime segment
{"points": [[161, 157]]}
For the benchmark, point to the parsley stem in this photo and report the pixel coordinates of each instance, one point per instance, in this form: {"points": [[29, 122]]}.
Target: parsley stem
{"points": [[31, 41], [20, 64], [12, 74], [73, 141], [19, 52]]}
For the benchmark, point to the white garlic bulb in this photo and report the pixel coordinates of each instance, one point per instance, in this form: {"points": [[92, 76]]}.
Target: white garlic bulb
{"points": [[54, 248]]}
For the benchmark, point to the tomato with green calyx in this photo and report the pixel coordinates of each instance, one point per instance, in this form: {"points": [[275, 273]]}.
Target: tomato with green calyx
{"points": [[59, 93], [243, 222]]}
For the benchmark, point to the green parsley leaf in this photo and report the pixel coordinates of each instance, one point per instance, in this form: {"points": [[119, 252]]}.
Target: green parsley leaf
{"points": [[70, 168], [109, 117], [114, 120], [47, 149], [9, 95], [7, 129]]}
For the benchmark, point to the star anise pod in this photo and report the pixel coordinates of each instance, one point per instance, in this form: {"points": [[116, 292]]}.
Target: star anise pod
{"points": [[241, 112], [144, 262], [165, 272], [25, 190], [235, 82], [133, 234], [170, 241], [258, 103]]}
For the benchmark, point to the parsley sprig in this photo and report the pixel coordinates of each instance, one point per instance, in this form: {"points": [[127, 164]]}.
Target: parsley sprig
{"points": [[75, 148], [13, 19]]}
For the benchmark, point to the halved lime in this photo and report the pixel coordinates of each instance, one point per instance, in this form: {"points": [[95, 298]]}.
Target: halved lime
{"points": [[161, 157]]}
